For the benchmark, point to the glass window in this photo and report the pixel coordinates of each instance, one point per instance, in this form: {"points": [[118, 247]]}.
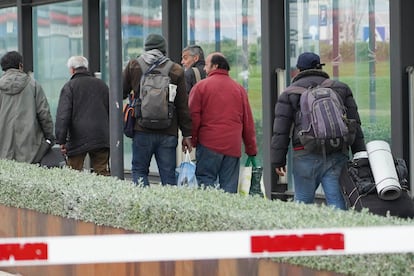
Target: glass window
{"points": [[57, 35], [352, 38], [8, 30], [232, 27], [139, 18]]}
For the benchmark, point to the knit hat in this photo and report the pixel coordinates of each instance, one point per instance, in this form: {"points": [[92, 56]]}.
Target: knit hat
{"points": [[155, 41], [309, 60]]}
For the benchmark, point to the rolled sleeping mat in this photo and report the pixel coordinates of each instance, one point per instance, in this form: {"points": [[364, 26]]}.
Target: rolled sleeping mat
{"points": [[383, 169]]}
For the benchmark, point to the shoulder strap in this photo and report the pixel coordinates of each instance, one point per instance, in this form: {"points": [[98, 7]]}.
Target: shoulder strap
{"points": [[166, 68], [196, 73], [147, 69], [144, 66], [295, 89], [327, 83]]}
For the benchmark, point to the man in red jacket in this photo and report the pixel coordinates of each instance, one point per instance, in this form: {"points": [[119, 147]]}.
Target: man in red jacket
{"points": [[221, 120]]}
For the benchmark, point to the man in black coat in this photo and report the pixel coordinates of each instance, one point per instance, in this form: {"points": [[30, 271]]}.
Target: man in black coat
{"points": [[309, 168], [82, 118]]}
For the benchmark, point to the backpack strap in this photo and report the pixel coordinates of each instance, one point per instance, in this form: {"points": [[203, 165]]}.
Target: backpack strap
{"points": [[327, 83], [295, 89], [144, 66], [146, 69], [196, 73], [165, 70]]}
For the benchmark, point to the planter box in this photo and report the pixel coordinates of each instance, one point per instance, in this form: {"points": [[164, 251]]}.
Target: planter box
{"points": [[16, 222]]}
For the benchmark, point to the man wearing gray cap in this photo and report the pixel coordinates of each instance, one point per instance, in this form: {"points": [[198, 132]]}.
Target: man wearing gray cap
{"points": [[311, 168], [161, 142]]}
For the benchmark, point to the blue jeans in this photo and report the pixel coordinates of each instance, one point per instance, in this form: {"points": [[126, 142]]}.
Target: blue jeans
{"points": [[310, 170], [144, 146], [213, 167]]}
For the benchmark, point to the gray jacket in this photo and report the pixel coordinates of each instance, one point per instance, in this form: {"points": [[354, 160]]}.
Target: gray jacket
{"points": [[25, 119]]}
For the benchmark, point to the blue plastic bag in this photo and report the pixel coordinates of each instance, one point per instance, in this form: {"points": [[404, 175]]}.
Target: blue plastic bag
{"points": [[186, 172]]}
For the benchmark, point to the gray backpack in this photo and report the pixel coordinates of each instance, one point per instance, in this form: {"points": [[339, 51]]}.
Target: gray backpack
{"points": [[324, 125], [153, 109]]}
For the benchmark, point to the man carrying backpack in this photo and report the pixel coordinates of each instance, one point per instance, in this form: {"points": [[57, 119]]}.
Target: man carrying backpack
{"points": [[314, 165], [160, 111]]}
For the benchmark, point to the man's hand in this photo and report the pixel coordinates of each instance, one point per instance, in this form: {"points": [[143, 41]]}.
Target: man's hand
{"points": [[186, 144], [281, 171], [63, 149]]}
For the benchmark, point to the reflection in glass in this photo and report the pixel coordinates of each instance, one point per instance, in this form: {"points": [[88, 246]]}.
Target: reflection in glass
{"points": [[234, 28], [8, 30], [57, 35], [352, 38]]}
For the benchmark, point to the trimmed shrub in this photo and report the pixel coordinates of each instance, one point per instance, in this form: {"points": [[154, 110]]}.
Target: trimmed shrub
{"points": [[165, 209]]}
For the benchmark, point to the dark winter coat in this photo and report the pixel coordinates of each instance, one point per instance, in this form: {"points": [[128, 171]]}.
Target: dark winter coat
{"points": [[82, 117], [190, 78], [288, 105]]}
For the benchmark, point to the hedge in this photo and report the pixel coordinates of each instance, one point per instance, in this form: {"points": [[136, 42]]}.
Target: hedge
{"points": [[165, 209]]}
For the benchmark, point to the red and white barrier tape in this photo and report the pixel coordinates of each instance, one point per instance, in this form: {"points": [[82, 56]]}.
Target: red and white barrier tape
{"points": [[204, 245]]}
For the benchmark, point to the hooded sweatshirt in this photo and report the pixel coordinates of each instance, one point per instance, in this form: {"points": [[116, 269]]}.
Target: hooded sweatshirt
{"points": [[25, 119]]}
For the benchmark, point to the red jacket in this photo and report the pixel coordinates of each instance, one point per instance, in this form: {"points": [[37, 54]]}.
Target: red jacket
{"points": [[221, 115]]}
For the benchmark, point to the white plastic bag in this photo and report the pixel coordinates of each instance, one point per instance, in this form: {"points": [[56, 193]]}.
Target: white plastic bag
{"points": [[245, 180], [186, 172]]}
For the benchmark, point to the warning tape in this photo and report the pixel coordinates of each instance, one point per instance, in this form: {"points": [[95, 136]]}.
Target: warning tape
{"points": [[204, 245]]}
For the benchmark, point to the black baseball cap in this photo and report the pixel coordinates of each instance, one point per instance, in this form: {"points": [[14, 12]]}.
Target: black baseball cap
{"points": [[309, 60]]}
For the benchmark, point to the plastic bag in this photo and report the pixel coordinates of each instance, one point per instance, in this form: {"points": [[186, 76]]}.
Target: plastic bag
{"points": [[251, 178], [245, 180], [186, 172]]}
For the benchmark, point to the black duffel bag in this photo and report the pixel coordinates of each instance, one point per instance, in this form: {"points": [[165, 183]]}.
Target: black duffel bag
{"points": [[358, 188]]}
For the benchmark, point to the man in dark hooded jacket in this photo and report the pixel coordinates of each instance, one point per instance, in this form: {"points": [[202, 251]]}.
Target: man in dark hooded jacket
{"points": [[311, 169]]}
